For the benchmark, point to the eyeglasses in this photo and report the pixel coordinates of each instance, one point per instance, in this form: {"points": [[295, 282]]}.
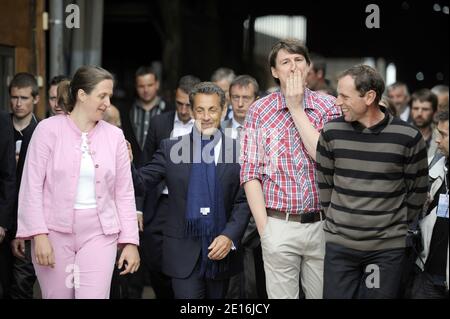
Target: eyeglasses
{"points": [[245, 98]]}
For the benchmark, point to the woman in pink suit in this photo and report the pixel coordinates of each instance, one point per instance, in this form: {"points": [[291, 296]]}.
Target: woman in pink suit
{"points": [[76, 199]]}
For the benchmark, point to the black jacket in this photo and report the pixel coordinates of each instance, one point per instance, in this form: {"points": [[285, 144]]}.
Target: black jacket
{"points": [[7, 172]]}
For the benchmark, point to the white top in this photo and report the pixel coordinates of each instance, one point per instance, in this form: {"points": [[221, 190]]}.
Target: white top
{"points": [[234, 126], [85, 198], [180, 128], [405, 114], [233, 131]]}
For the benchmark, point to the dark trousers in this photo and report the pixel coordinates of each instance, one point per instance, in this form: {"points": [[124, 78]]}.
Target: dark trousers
{"points": [[5, 267], [251, 282], [119, 285], [194, 287], [23, 276], [152, 240], [355, 274], [424, 287], [129, 286]]}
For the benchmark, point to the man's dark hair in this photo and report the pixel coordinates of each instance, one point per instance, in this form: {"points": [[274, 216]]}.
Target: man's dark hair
{"points": [[425, 95], [290, 45], [366, 78], [57, 79], [144, 70], [208, 88], [187, 82], [23, 80]]}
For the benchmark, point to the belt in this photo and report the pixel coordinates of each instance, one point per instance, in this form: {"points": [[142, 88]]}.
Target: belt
{"points": [[304, 218]]}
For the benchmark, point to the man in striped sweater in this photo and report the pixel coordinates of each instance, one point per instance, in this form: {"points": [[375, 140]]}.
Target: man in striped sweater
{"points": [[372, 174]]}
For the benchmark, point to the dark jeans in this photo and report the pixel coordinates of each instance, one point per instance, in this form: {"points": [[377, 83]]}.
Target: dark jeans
{"points": [[425, 288], [355, 274]]}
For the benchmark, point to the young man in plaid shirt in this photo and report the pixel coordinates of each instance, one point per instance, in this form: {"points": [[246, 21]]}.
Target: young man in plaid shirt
{"points": [[278, 172]]}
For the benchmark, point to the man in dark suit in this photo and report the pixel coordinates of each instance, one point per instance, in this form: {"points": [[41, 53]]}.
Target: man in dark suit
{"points": [[207, 211], [7, 199], [155, 205]]}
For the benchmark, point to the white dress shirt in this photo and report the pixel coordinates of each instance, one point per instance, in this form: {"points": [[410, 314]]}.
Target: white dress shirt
{"points": [[405, 114]]}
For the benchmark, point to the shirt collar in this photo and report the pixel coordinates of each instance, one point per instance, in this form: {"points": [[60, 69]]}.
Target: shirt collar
{"points": [[178, 121], [138, 103], [235, 124], [377, 128]]}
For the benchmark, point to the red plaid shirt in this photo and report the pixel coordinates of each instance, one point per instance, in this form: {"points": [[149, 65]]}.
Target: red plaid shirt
{"points": [[273, 152]]}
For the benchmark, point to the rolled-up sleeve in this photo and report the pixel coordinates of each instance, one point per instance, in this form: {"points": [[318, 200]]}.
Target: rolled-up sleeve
{"points": [[250, 155]]}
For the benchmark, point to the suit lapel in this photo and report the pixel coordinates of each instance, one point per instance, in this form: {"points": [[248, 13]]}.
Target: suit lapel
{"points": [[183, 168], [226, 156], [171, 123]]}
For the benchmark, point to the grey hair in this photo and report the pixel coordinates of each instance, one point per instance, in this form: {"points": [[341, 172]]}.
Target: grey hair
{"points": [[223, 74]]}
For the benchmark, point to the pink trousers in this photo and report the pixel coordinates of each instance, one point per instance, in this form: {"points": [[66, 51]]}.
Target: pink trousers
{"points": [[84, 261]]}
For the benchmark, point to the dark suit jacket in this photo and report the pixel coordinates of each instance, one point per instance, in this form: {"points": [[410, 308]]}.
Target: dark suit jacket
{"points": [[130, 136], [180, 254], [7, 171], [160, 128]]}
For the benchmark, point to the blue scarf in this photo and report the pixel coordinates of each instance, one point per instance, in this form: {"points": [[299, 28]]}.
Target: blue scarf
{"points": [[205, 210]]}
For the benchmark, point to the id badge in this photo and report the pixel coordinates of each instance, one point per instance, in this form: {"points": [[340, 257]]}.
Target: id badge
{"points": [[442, 210]]}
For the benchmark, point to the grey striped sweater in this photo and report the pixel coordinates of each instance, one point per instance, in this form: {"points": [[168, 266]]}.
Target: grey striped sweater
{"points": [[372, 181]]}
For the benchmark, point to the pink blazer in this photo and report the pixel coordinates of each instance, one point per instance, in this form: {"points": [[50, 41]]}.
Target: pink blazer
{"points": [[50, 179]]}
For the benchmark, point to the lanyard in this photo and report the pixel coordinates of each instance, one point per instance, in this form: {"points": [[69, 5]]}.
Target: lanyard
{"points": [[446, 179]]}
